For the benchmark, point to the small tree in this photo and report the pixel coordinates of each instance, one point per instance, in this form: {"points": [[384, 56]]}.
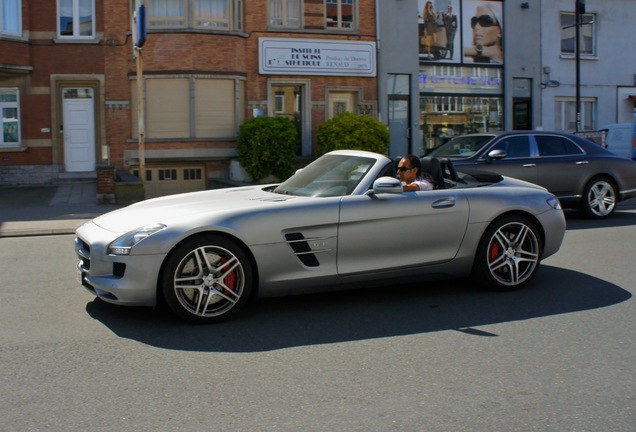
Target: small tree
{"points": [[353, 132], [267, 145]]}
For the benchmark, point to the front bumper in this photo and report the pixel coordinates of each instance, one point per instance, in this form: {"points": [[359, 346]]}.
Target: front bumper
{"points": [[125, 280]]}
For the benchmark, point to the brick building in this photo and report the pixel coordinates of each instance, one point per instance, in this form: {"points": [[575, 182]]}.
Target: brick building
{"points": [[68, 82]]}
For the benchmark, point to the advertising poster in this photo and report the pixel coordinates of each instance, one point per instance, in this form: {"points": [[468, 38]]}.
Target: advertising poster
{"points": [[439, 30], [482, 31]]}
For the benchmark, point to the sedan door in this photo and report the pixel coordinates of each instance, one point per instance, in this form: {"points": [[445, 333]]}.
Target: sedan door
{"points": [[386, 231], [520, 161], [562, 167]]}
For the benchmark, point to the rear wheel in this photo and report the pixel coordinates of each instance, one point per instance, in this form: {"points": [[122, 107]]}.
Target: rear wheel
{"points": [[599, 198], [206, 279], [508, 255]]}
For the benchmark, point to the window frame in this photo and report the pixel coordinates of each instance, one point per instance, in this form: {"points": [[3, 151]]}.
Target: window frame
{"points": [[564, 105], [76, 22], [187, 20], [587, 19], [12, 105], [287, 10], [191, 126], [339, 23], [3, 28]]}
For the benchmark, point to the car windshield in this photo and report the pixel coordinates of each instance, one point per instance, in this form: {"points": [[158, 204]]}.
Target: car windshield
{"points": [[330, 175], [462, 147]]}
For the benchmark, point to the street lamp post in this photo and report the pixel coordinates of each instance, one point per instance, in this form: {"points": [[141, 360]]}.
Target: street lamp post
{"points": [[579, 9]]}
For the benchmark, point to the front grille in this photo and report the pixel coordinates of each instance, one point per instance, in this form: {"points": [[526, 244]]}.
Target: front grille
{"points": [[83, 251]]}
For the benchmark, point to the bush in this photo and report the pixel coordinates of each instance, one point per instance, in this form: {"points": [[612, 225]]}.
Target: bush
{"points": [[267, 145], [349, 131]]}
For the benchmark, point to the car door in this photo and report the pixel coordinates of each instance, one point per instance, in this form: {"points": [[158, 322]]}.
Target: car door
{"points": [[520, 160], [562, 166], [385, 231]]}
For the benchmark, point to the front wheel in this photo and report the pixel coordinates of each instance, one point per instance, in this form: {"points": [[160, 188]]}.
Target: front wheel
{"points": [[508, 255], [599, 198], [206, 279]]}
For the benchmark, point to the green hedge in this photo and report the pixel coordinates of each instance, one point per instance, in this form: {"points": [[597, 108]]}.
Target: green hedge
{"points": [[268, 145], [349, 131]]}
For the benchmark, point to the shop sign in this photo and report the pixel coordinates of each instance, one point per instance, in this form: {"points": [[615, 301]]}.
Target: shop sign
{"points": [[316, 57], [462, 80]]}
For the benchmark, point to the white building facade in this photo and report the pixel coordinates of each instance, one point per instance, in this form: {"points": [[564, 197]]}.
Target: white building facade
{"points": [[502, 65]]}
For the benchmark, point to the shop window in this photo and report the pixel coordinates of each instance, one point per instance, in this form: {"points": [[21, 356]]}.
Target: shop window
{"points": [[444, 117], [565, 114], [189, 108], [10, 119], [340, 14], [200, 14], [76, 19], [284, 13], [587, 34], [11, 17]]}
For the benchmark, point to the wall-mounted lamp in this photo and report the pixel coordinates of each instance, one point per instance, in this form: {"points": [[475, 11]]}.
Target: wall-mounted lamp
{"points": [[547, 82], [525, 5]]}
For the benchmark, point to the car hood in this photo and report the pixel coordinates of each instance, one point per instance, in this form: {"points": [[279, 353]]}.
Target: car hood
{"points": [[180, 207]]}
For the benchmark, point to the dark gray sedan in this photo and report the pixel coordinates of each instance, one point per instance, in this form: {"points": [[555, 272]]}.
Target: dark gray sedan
{"points": [[582, 174]]}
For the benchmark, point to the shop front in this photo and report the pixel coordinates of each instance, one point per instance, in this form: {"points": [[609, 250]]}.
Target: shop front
{"points": [[461, 68], [456, 100]]}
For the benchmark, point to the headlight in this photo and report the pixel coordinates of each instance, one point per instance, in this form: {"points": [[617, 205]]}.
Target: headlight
{"points": [[123, 244], [554, 203]]}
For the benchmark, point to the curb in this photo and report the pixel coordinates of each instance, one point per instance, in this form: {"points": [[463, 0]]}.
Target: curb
{"points": [[40, 228]]}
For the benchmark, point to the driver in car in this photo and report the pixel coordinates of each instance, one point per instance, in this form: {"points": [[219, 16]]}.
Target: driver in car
{"points": [[410, 172]]}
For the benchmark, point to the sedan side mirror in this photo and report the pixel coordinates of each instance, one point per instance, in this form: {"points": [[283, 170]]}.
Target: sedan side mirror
{"points": [[496, 155], [387, 185]]}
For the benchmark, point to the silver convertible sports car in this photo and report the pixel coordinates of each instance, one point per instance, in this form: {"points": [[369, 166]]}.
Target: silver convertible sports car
{"points": [[342, 221]]}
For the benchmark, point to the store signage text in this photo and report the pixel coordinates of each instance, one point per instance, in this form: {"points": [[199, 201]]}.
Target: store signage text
{"points": [[316, 57], [460, 83]]}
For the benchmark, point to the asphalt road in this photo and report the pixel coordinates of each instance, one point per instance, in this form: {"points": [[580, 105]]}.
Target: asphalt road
{"points": [[557, 356]]}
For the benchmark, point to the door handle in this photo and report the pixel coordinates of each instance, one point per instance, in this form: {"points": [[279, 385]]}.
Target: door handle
{"points": [[530, 165], [583, 162], [444, 203]]}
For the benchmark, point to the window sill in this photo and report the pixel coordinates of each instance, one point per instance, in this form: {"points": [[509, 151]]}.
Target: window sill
{"points": [[198, 30], [14, 149], [583, 57], [76, 41]]}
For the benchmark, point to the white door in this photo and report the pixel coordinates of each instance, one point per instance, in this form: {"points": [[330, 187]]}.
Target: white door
{"points": [[79, 130]]}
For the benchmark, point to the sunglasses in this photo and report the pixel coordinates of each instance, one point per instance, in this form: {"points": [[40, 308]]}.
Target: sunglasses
{"points": [[483, 21], [402, 169]]}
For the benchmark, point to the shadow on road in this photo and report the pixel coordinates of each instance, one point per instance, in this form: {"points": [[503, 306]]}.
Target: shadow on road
{"points": [[273, 324], [620, 218]]}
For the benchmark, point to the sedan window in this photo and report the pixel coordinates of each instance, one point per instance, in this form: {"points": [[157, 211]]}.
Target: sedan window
{"points": [[550, 145], [514, 146], [462, 147]]}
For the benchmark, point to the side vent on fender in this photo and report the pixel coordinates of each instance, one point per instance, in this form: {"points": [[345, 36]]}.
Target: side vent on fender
{"points": [[301, 249]]}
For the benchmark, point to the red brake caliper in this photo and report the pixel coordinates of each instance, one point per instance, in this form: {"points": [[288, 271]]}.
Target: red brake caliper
{"points": [[495, 250], [230, 279]]}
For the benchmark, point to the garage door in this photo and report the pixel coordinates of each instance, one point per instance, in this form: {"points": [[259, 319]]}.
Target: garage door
{"points": [[165, 180]]}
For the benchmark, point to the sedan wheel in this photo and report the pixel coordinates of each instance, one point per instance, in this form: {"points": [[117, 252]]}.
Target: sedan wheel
{"points": [[599, 198], [206, 279], [509, 254]]}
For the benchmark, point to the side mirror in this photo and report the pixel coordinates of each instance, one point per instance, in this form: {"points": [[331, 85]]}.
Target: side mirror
{"points": [[496, 155], [387, 185]]}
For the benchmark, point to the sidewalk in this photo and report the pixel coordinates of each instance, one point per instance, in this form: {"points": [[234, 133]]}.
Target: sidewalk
{"points": [[48, 209]]}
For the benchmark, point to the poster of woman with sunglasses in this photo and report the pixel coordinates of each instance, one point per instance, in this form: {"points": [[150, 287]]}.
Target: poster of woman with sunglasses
{"points": [[483, 32]]}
